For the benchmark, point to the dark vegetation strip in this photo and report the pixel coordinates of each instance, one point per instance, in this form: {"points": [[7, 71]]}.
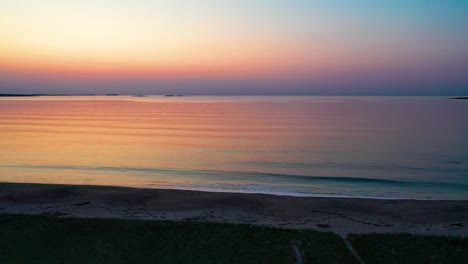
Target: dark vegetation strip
{"points": [[48, 239], [407, 248]]}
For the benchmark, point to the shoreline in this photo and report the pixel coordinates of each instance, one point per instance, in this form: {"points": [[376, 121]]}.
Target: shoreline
{"points": [[288, 192], [339, 215], [284, 193]]}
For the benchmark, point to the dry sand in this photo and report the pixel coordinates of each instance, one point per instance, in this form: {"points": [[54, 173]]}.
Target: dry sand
{"points": [[339, 215]]}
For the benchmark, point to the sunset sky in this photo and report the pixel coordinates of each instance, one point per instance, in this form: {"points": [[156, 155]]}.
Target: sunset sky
{"points": [[234, 46]]}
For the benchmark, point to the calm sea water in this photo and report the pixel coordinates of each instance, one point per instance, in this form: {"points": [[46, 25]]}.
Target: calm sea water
{"points": [[398, 147]]}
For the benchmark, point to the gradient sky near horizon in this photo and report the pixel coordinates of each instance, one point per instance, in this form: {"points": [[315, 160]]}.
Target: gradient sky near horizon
{"points": [[234, 46]]}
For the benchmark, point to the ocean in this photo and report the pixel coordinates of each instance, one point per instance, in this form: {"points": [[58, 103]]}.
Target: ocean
{"points": [[348, 146]]}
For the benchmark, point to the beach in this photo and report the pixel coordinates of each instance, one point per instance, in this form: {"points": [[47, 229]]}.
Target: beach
{"points": [[339, 215]]}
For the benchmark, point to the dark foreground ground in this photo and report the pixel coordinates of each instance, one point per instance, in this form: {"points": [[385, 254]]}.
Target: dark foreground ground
{"points": [[51, 239]]}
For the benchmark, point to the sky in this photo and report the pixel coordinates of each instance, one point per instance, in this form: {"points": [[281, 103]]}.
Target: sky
{"points": [[234, 47]]}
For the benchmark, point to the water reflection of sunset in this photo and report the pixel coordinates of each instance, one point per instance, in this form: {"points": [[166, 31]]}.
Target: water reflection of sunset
{"points": [[311, 144]]}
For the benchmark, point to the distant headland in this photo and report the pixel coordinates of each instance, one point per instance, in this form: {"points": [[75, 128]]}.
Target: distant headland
{"points": [[111, 94], [17, 95], [30, 95]]}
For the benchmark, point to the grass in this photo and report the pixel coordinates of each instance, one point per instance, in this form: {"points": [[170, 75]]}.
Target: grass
{"points": [[48, 239], [45, 239], [406, 248]]}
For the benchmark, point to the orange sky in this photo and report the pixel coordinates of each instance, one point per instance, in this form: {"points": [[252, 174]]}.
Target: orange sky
{"points": [[286, 40]]}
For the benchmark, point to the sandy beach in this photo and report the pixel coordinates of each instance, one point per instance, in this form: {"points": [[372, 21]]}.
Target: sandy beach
{"points": [[339, 215]]}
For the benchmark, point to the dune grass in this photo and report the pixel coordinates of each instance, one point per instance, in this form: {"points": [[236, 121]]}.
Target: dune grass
{"points": [[406, 248], [48, 239], [45, 239]]}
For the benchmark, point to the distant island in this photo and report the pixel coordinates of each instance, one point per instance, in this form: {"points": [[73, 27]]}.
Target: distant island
{"points": [[460, 98], [29, 95], [110, 94], [18, 95]]}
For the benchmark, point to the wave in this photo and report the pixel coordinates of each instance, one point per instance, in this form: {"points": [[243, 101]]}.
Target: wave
{"points": [[358, 166], [248, 175]]}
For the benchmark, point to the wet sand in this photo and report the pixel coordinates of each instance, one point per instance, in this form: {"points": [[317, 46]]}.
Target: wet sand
{"points": [[339, 215]]}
